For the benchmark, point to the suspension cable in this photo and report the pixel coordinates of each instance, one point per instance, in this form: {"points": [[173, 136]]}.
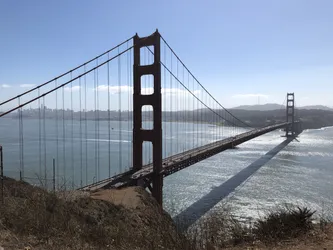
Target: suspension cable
{"points": [[64, 84], [84, 64], [247, 125], [195, 95], [192, 92]]}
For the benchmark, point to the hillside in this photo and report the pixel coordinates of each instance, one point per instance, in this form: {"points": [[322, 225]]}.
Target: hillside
{"points": [[262, 107], [129, 218], [111, 219], [321, 107], [274, 106], [311, 118]]}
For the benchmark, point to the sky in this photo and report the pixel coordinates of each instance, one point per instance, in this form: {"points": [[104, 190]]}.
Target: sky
{"points": [[243, 52]]}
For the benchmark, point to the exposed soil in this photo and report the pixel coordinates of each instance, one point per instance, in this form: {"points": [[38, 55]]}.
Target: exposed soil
{"points": [[131, 198]]}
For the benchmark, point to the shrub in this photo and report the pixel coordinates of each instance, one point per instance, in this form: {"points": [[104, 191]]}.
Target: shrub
{"points": [[283, 223]]}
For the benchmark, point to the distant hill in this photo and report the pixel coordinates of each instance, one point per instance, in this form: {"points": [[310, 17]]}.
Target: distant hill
{"points": [[274, 106], [322, 107], [263, 107]]}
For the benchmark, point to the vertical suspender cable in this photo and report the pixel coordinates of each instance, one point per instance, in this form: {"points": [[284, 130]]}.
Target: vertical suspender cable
{"points": [[119, 84], [197, 116], [217, 121], [44, 142], [193, 114], [98, 142], [57, 135], [187, 110], [80, 120], [177, 110], [171, 102], [224, 121], [72, 132], [20, 140], [22, 144], [184, 121], [63, 138], [189, 113], [109, 121], [203, 112], [164, 103], [86, 124], [39, 137], [95, 117]]}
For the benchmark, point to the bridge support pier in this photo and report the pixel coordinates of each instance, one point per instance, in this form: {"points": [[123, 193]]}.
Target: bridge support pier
{"points": [[154, 135]]}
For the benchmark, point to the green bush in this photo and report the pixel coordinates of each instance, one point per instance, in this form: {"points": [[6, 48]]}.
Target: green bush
{"points": [[284, 223]]}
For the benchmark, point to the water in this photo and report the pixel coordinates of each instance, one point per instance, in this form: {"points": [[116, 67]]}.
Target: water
{"points": [[84, 152], [299, 174], [65, 144]]}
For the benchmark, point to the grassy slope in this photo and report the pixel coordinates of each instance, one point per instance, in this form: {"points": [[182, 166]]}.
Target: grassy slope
{"points": [[32, 217], [131, 219]]}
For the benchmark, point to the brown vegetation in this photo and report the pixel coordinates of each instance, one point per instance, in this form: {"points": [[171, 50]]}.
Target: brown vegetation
{"points": [[33, 217], [131, 219]]}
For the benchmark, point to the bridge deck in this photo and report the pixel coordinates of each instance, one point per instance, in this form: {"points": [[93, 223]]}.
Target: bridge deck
{"points": [[180, 161]]}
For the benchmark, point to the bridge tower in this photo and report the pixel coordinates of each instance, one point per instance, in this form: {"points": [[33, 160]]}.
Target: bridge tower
{"points": [[154, 135], [290, 129]]}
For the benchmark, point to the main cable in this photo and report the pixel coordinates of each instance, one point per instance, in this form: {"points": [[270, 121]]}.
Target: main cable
{"points": [[190, 90], [62, 85], [84, 64], [247, 125]]}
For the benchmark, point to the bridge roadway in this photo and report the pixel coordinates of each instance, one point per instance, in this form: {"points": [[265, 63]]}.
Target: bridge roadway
{"points": [[182, 160]]}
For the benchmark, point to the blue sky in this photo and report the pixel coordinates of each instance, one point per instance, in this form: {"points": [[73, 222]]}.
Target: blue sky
{"points": [[237, 49]]}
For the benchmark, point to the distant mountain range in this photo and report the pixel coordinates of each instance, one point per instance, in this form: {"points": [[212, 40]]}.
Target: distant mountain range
{"points": [[274, 106]]}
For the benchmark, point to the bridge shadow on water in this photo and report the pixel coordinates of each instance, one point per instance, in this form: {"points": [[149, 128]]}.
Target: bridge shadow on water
{"points": [[191, 214]]}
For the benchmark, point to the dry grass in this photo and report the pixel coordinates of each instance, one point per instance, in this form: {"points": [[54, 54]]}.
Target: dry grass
{"points": [[222, 230], [42, 220], [129, 219], [218, 230], [32, 212]]}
